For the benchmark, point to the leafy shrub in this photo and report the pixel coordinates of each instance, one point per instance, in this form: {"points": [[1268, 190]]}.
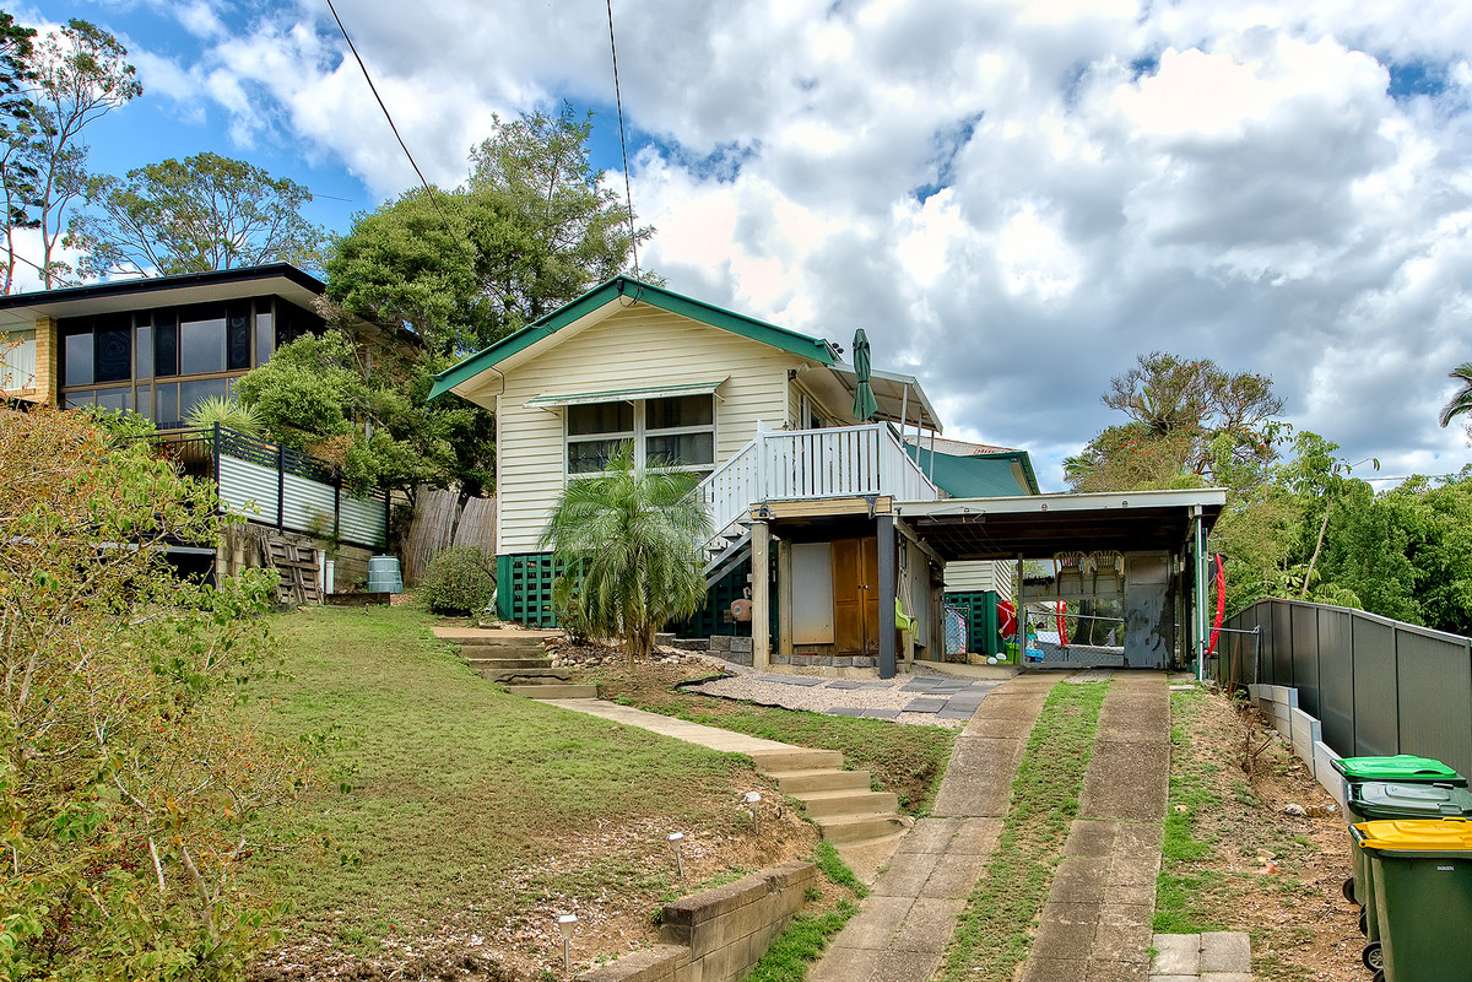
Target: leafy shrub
{"points": [[460, 580], [228, 413], [127, 781]]}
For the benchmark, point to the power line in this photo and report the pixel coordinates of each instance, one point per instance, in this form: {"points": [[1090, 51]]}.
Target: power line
{"points": [[623, 146], [433, 197]]}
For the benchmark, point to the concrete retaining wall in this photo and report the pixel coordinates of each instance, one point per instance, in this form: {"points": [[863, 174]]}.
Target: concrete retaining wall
{"points": [[1279, 704], [716, 935]]}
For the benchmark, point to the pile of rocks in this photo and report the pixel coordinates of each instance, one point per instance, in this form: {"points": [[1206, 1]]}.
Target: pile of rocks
{"points": [[568, 654]]}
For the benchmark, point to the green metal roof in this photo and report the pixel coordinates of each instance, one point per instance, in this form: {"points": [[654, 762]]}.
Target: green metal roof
{"points": [[991, 475], [803, 345]]}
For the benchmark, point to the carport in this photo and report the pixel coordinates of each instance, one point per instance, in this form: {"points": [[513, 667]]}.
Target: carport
{"points": [[1145, 548]]}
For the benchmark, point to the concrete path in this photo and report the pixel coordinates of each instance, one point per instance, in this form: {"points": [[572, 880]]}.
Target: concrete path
{"points": [[1216, 956], [902, 929], [705, 736], [1096, 924]]}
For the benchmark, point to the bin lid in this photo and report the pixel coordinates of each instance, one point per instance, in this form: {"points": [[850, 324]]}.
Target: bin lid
{"points": [[1404, 768], [1417, 835], [1384, 799]]}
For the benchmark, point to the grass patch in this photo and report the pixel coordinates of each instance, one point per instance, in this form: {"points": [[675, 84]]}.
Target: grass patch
{"points": [[907, 760], [453, 804], [806, 937], [1184, 879], [994, 933]]}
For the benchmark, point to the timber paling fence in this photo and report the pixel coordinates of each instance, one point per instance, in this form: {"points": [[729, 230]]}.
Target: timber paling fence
{"points": [[441, 520], [1376, 685]]}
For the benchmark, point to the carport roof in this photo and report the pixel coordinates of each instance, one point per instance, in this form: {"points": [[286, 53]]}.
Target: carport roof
{"points": [[1039, 526]]}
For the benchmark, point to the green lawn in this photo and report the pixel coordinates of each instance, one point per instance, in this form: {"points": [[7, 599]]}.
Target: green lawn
{"points": [[907, 760], [444, 803], [1185, 879], [994, 933]]}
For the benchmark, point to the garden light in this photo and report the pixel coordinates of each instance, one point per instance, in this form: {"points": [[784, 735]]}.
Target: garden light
{"points": [[753, 800], [567, 924], [675, 839]]}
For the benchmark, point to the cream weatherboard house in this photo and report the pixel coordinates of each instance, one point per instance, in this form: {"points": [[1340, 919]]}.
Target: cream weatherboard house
{"points": [[762, 415]]}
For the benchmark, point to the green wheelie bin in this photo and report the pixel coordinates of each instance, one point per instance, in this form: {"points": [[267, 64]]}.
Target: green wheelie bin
{"points": [[1422, 873], [1372, 801], [1400, 769]]}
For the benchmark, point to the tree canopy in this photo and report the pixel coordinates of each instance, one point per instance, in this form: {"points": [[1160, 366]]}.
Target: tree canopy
{"points": [[1300, 521], [531, 229], [201, 213]]}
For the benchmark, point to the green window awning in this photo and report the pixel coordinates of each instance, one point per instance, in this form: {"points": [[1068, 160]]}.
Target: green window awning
{"points": [[553, 401]]}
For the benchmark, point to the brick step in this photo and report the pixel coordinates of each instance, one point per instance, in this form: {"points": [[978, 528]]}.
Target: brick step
{"points": [[848, 802], [857, 828], [526, 676], [777, 762], [478, 663], [822, 779], [551, 691]]}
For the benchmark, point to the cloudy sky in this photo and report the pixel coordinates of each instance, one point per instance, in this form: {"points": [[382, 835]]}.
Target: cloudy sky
{"points": [[1013, 199]]}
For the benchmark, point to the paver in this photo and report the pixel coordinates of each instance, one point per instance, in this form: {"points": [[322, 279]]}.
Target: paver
{"points": [[925, 705], [876, 713], [1219, 956]]}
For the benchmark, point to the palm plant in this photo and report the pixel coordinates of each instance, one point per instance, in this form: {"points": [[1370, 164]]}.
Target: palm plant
{"points": [[1461, 403], [628, 541], [227, 412]]}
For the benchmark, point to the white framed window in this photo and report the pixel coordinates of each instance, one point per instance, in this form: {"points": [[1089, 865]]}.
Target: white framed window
{"points": [[671, 434], [594, 433]]}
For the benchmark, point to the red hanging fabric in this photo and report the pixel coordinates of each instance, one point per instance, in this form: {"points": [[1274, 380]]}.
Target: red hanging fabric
{"points": [[1063, 623], [1221, 603], [1007, 615]]}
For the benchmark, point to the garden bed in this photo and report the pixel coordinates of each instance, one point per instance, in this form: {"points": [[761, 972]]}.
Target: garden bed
{"points": [[1234, 860]]}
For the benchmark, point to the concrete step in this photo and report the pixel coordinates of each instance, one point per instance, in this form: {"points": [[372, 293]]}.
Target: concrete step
{"points": [[518, 648], [543, 662], [527, 676], [857, 828], [778, 762], [822, 779], [848, 802], [551, 691]]}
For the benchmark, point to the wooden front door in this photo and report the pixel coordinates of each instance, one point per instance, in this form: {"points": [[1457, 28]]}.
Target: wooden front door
{"points": [[856, 596]]}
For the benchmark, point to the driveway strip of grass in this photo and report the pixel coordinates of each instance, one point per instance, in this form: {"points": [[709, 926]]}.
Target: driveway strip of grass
{"points": [[994, 932]]}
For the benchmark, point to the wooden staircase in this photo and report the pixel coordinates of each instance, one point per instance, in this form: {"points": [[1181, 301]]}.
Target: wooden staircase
{"points": [[515, 658], [839, 802]]}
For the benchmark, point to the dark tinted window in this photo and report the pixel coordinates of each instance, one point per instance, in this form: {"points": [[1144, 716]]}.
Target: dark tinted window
{"points": [[663, 414], [143, 348], [192, 393], [165, 343], [168, 404], [77, 350], [600, 417], [114, 349], [265, 332], [119, 398], [238, 341], [202, 341]]}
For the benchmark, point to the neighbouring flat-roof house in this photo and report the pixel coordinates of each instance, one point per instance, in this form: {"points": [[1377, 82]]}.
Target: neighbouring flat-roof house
{"points": [[760, 413], [158, 346]]}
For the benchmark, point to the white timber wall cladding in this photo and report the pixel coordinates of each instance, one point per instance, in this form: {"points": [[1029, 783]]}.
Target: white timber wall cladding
{"points": [[639, 346], [977, 575]]}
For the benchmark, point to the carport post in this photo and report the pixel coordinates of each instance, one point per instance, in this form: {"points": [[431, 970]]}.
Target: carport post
{"points": [[761, 596], [1198, 603], [887, 579]]}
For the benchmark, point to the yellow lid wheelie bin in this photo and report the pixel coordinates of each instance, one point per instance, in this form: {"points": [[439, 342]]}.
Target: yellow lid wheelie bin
{"points": [[1422, 873]]}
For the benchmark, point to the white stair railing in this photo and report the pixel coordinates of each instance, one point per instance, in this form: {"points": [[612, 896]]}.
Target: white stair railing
{"points": [[788, 465]]}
